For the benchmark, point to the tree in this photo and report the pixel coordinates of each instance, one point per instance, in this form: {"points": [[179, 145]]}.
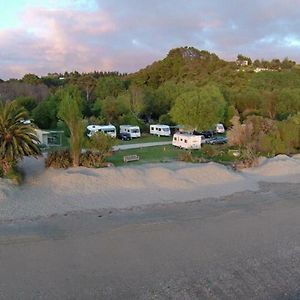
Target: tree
{"points": [[109, 86], [16, 138], [70, 113], [200, 108], [31, 79], [45, 114], [27, 102]]}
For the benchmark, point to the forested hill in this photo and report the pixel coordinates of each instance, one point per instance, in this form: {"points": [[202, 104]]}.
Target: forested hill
{"points": [[181, 65], [187, 64]]}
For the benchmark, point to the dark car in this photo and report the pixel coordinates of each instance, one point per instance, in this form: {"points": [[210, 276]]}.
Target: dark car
{"points": [[207, 134], [217, 140], [124, 136]]}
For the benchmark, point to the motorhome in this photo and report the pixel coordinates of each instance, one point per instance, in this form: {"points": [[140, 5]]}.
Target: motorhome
{"points": [[160, 130], [107, 129], [133, 131], [186, 140]]}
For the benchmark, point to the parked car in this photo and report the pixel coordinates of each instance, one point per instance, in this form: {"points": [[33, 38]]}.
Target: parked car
{"points": [[217, 140], [207, 134], [124, 136]]}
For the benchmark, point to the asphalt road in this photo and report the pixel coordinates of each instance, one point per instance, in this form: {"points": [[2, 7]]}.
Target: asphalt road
{"points": [[245, 246]]}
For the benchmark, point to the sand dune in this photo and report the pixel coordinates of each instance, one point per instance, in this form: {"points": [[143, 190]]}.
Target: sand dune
{"points": [[50, 191]]}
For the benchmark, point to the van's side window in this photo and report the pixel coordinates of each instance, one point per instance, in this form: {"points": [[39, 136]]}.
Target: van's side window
{"points": [[185, 141]]}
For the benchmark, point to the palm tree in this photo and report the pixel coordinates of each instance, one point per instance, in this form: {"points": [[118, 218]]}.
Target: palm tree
{"points": [[17, 139]]}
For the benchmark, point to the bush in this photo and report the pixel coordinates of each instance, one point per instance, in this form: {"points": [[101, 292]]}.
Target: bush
{"points": [[186, 156], [91, 159], [59, 159]]}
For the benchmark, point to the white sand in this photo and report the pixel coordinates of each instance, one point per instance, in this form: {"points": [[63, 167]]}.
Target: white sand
{"points": [[50, 191]]}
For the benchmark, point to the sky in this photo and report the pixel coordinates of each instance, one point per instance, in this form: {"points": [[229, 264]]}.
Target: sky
{"points": [[44, 36]]}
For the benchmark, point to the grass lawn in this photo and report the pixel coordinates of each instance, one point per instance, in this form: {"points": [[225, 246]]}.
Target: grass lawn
{"points": [[157, 154], [146, 139], [147, 155]]}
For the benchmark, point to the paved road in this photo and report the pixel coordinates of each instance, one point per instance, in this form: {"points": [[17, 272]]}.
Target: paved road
{"points": [[141, 145], [246, 246]]}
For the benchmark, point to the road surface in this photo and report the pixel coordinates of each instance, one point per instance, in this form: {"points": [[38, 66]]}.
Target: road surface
{"points": [[245, 246]]}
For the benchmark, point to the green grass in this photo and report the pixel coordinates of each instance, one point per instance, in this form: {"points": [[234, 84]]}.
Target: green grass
{"points": [[147, 155], [146, 139], [168, 153]]}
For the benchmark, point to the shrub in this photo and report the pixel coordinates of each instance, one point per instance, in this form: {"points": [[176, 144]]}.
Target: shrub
{"points": [[59, 159], [91, 159], [101, 144], [186, 156]]}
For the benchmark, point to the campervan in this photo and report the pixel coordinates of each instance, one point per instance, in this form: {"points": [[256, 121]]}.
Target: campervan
{"points": [[107, 129], [133, 131], [160, 130], [186, 140]]}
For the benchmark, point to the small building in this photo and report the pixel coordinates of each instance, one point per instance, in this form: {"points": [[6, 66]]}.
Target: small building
{"points": [[49, 138]]}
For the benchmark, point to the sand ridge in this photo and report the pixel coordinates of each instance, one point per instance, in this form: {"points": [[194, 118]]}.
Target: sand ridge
{"points": [[47, 192]]}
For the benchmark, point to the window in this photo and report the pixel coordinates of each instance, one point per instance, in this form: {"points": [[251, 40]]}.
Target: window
{"points": [[159, 129], [152, 128], [185, 141], [175, 138]]}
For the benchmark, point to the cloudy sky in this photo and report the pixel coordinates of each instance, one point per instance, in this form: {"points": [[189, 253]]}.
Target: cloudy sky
{"points": [[41, 36]]}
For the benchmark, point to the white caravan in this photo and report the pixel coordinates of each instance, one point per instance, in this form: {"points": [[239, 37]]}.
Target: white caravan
{"points": [[133, 131], [160, 130], [186, 140], [107, 129]]}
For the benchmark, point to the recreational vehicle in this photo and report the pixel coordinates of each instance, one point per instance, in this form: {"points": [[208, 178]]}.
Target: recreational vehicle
{"points": [[160, 130], [133, 131], [186, 140], [107, 129]]}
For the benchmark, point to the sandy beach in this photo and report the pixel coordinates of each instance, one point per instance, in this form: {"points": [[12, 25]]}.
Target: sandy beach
{"points": [[49, 191]]}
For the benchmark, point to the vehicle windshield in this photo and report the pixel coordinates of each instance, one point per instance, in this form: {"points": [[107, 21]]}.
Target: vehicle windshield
{"points": [[166, 129]]}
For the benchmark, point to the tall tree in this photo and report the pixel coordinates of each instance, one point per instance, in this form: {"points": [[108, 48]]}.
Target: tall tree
{"points": [[200, 108], [70, 113]]}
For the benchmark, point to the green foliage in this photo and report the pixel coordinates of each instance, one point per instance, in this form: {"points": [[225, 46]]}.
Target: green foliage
{"points": [[16, 138], [45, 113], [70, 113], [27, 102], [31, 79], [199, 108], [59, 159], [166, 119], [110, 86], [101, 143], [289, 102], [100, 146]]}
